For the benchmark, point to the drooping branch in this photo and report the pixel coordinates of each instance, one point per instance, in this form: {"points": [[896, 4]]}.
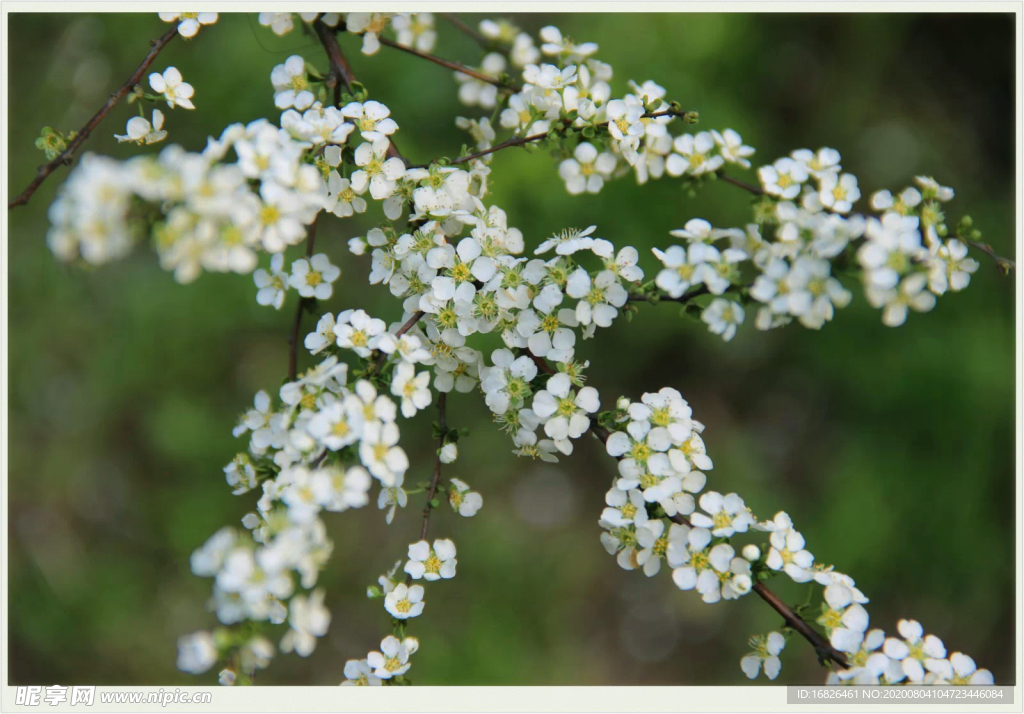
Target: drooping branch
{"points": [[476, 74], [68, 154], [825, 651]]}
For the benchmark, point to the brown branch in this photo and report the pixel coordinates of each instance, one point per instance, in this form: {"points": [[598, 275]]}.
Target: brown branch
{"points": [[476, 74], [756, 190], [514, 141], [824, 650], [293, 339], [436, 479], [466, 29], [1004, 264], [67, 155], [341, 73]]}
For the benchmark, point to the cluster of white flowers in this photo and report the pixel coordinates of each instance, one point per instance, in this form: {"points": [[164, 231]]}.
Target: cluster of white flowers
{"points": [[458, 269], [651, 516]]}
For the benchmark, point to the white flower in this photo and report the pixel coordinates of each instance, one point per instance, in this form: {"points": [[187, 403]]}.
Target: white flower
{"points": [[415, 29], [787, 549], [448, 453], [961, 670], [189, 22], [931, 189], [196, 652], [376, 170], [783, 178], [369, 25], [273, 285], [339, 423], [381, 455], [838, 193], [820, 164], [588, 171], [681, 270], [323, 336], [432, 563], [565, 412], [462, 500], [624, 508], [698, 230], [280, 22], [693, 155], [142, 132], [723, 317], [726, 514], [569, 241], [393, 658], [177, 92], [309, 619], [896, 302], [599, 299], [412, 388], [359, 673], [392, 497], [359, 332], [372, 119], [404, 602], [732, 148], [314, 278], [342, 199], [291, 84], [951, 269], [915, 651], [766, 652]]}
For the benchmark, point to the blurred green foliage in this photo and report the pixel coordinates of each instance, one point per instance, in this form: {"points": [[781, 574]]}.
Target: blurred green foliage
{"points": [[891, 449]]}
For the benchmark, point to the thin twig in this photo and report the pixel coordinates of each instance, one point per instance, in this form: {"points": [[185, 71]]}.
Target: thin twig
{"points": [[476, 74], [443, 422], [67, 155], [436, 479], [756, 190], [293, 339], [1004, 264], [466, 29]]}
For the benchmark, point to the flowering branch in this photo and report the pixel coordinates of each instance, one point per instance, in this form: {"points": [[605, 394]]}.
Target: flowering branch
{"points": [[67, 155], [460, 270], [476, 74], [822, 646]]}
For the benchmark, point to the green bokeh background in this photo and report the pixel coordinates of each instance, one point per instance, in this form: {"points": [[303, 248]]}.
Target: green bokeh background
{"points": [[892, 449]]}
